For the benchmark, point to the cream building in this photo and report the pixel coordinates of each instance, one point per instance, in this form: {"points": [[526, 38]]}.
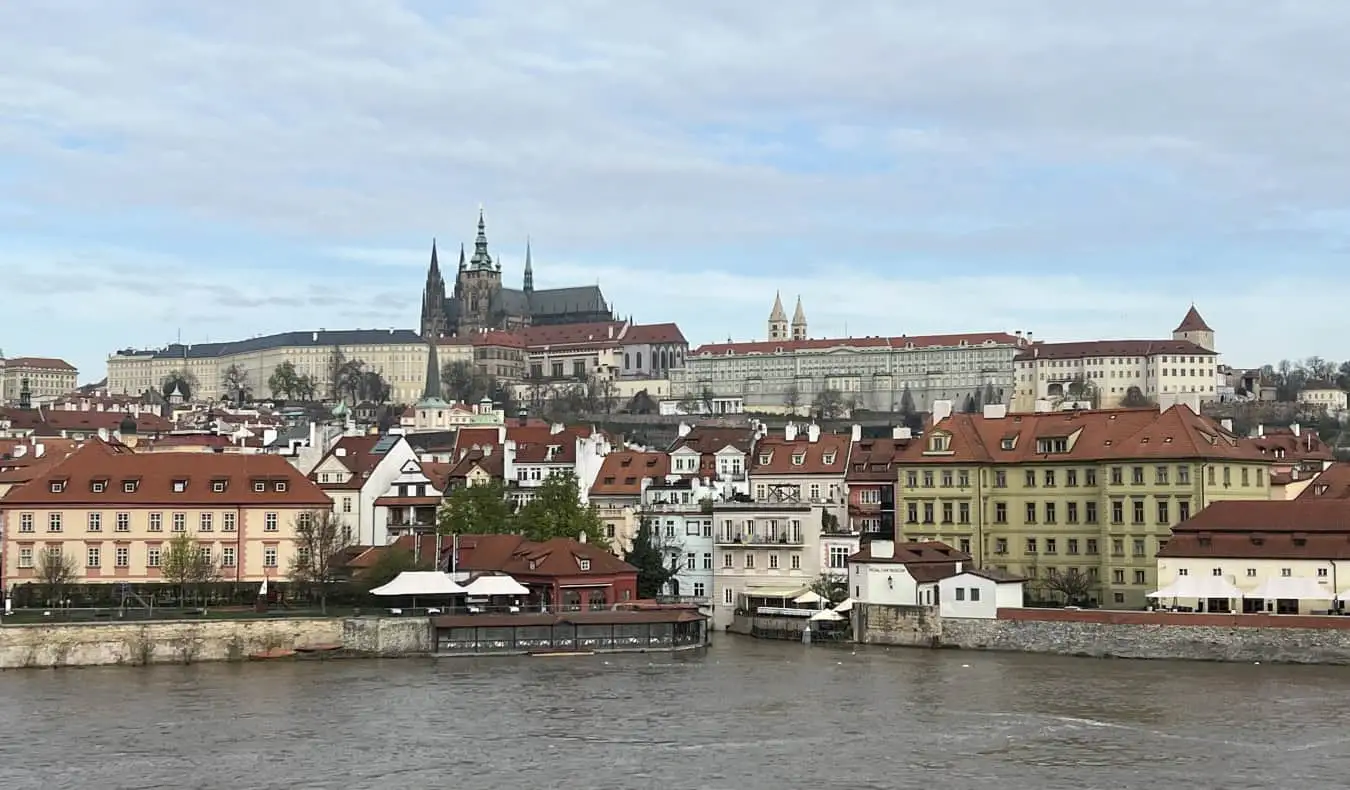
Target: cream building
{"points": [[48, 379], [113, 512], [398, 355], [870, 372], [1104, 373], [1325, 396], [762, 550]]}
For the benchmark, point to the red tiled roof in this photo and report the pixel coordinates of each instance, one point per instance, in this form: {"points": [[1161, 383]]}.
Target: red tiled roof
{"points": [[1332, 483], [43, 421], [497, 338], [1192, 322], [708, 439], [1112, 348], [873, 460], [1283, 445], [622, 472], [438, 473], [1265, 529], [574, 335], [653, 334], [923, 551], [39, 363], [154, 476], [1101, 435], [823, 344], [354, 453], [776, 456]]}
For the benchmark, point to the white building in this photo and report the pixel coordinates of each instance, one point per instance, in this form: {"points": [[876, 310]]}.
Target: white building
{"points": [[529, 462], [409, 505], [979, 594], [355, 472], [902, 574], [763, 550], [1325, 396], [680, 511]]}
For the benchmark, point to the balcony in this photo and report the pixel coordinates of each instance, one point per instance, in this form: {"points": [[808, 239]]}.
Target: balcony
{"points": [[758, 539]]}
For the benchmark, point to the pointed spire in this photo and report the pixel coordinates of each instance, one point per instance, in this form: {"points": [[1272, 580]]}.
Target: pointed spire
{"points": [[799, 317], [481, 260], [433, 388], [778, 314], [529, 267], [462, 260], [435, 264]]}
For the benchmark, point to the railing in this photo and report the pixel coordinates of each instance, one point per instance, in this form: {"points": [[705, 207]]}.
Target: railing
{"points": [[759, 540]]}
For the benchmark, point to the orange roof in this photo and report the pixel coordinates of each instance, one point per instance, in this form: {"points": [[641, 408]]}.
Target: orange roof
{"points": [[497, 338], [574, 335], [873, 460], [1264, 529], [622, 472], [653, 334], [39, 363], [68, 420], [776, 456], [1112, 348], [102, 474], [823, 344], [1332, 483], [1282, 445], [1112, 434], [1192, 322], [514, 555]]}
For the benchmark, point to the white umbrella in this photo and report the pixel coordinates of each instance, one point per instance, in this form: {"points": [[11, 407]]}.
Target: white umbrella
{"points": [[487, 586], [1299, 588], [420, 583], [808, 597], [845, 605], [827, 614]]}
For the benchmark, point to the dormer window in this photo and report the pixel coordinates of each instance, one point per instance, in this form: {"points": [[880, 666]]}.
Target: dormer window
{"points": [[218, 486], [98, 486], [281, 486], [58, 486], [259, 486], [583, 564], [766, 458], [179, 486], [1052, 445], [939, 443], [827, 459], [129, 486], [533, 564], [798, 459]]}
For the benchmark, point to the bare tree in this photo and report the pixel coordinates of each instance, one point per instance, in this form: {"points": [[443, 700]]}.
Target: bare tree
{"points": [[188, 565], [319, 537], [234, 382], [56, 571], [179, 379], [1136, 399], [833, 588], [1076, 587], [792, 398], [829, 404]]}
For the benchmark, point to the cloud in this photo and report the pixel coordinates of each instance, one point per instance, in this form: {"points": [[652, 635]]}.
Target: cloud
{"points": [[1075, 169]]}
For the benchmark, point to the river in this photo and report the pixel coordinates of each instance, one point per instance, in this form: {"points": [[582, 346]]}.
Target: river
{"points": [[743, 715]]}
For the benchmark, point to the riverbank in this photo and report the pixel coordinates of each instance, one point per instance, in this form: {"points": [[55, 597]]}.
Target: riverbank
{"points": [[1248, 638]]}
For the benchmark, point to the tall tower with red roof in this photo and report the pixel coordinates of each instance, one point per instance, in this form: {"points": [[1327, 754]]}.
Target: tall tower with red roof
{"points": [[1194, 329]]}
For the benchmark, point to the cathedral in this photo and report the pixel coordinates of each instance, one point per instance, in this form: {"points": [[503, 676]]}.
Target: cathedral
{"points": [[479, 301]]}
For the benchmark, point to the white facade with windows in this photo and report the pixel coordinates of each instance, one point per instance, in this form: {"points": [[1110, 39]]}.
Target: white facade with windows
{"points": [[684, 530], [762, 549], [975, 595]]}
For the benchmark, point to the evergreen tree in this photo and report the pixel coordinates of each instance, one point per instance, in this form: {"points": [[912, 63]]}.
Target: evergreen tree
{"points": [[648, 557]]}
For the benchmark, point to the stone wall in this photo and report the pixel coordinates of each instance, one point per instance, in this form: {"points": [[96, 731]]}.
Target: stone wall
{"points": [[914, 626], [99, 644], [388, 636], [1202, 637]]}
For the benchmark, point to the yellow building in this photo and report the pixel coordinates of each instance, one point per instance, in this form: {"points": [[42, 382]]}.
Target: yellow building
{"points": [[1089, 491], [113, 512], [48, 379]]}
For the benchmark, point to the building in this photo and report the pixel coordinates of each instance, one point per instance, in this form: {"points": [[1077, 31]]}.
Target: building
{"points": [[1104, 374], [1283, 557], [870, 481], [411, 503], [1093, 491], [1297, 458], [617, 492], [608, 351], [803, 465], [563, 575], [790, 372], [902, 574], [479, 301], [680, 512], [113, 511], [1325, 396], [1331, 483], [713, 452], [398, 355], [79, 425], [47, 379], [979, 594], [355, 472], [768, 550]]}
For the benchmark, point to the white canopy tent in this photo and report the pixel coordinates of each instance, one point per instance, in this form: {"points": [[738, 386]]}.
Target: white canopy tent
{"points": [[420, 583], [845, 605], [808, 597], [829, 615], [1295, 588], [487, 586], [1198, 587]]}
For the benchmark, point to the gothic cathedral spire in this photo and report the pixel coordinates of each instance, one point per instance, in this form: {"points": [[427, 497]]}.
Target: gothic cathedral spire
{"points": [[433, 299], [529, 268], [481, 260]]}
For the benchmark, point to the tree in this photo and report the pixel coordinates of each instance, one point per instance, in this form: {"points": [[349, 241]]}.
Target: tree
{"points": [[833, 588], [389, 564], [476, 510], [234, 382], [372, 387], [284, 381], [1082, 389], [504, 399], [690, 404], [990, 397], [463, 382], [348, 381], [179, 379], [306, 388], [1076, 587], [828, 404], [556, 512], [792, 398], [600, 394], [56, 572], [648, 555], [319, 538], [1135, 399], [707, 398], [969, 406], [186, 564], [906, 401]]}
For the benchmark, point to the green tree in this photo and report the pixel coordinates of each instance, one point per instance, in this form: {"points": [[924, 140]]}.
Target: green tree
{"points": [[180, 379], [828, 404], [306, 388], [833, 588], [906, 401], [476, 510], [648, 555], [186, 564], [234, 382], [556, 512], [1136, 399], [319, 538], [388, 565], [284, 381], [990, 396], [372, 387]]}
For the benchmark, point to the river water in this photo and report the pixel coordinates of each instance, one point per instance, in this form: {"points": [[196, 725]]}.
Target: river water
{"points": [[744, 715]]}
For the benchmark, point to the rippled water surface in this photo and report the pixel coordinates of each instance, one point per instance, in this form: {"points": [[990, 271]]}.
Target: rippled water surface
{"points": [[744, 715]]}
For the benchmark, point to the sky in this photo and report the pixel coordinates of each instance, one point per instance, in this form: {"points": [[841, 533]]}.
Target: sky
{"points": [[1080, 170]]}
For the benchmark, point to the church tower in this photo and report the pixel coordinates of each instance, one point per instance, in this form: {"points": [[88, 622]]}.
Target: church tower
{"points": [[529, 269], [799, 322], [1194, 329], [433, 300], [778, 323], [479, 284]]}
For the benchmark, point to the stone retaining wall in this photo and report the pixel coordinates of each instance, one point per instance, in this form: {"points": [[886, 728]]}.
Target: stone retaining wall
{"points": [[388, 636]]}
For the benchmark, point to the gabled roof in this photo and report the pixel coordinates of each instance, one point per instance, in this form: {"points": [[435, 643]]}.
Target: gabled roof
{"points": [[707, 439], [513, 555], [622, 472], [777, 456], [1192, 322], [1332, 483], [1265, 529], [923, 551], [873, 460]]}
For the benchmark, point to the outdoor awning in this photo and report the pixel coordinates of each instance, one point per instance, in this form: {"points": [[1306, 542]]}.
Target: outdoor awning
{"points": [[772, 592], [827, 614], [845, 605], [1296, 588], [810, 596], [1198, 587], [486, 586], [420, 583]]}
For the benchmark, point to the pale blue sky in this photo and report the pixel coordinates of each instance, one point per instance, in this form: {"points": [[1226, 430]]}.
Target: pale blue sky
{"points": [[1078, 169]]}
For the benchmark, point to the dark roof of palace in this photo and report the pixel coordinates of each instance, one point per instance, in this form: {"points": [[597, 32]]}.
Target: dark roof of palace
{"points": [[346, 337], [552, 301]]}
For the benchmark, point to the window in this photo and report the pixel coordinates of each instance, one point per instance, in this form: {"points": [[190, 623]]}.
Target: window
{"points": [[963, 513], [269, 556], [796, 562], [691, 527], [773, 561], [1092, 546], [1089, 477], [1071, 513], [180, 522], [1216, 572], [346, 504], [1137, 475], [584, 564], [1117, 511], [1117, 547], [1118, 597], [218, 486], [227, 556], [1071, 478], [156, 523], [1322, 572], [947, 510], [179, 486], [53, 522], [728, 596], [227, 522], [1183, 475], [1000, 479], [259, 487], [927, 479], [974, 594], [1051, 546], [946, 478], [1163, 512], [838, 556], [206, 522], [691, 561], [1072, 545], [152, 555], [94, 522], [97, 486], [1118, 577], [1031, 545], [963, 478], [122, 522], [912, 479], [1139, 577], [25, 556], [928, 512], [1117, 475], [1000, 545], [26, 522], [1245, 472], [1049, 512], [1185, 572], [1031, 513], [1030, 478], [726, 560], [1000, 512], [122, 557], [960, 593], [129, 486], [1049, 478], [707, 560], [749, 559], [964, 545], [1138, 511], [269, 522], [1286, 572], [93, 557], [281, 486], [912, 512], [1089, 512], [1183, 509]]}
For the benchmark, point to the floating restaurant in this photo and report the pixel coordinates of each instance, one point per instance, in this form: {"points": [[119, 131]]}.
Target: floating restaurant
{"points": [[613, 631]]}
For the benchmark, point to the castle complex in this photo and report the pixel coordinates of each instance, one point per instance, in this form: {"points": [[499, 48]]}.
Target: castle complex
{"points": [[479, 301]]}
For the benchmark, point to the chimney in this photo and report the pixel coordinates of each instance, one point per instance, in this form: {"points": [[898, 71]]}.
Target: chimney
{"points": [[1030, 336], [684, 429], [581, 538], [857, 433], [1260, 431], [790, 431], [314, 337], [1226, 424], [882, 549], [556, 428], [501, 434], [813, 433], [901, 432], [942, 409], [995, 411], [1294, 428]]}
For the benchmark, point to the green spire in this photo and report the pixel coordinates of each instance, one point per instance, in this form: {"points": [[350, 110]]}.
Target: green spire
{"points": [[481, 260]]}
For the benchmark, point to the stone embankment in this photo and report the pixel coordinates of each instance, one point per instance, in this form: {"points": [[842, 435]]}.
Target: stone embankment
{"points": [[1112, 634], [186, 642]]}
